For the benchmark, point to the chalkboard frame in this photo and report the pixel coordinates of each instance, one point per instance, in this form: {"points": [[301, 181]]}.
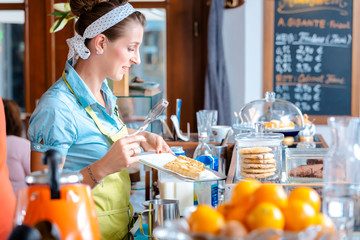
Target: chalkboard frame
{"points": [[268, 59]]}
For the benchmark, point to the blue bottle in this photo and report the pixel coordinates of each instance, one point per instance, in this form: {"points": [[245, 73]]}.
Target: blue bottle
{"points": [[178, 150]]}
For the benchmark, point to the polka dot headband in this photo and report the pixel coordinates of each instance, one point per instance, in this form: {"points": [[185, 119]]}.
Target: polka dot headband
{"points": [[76, 44]]}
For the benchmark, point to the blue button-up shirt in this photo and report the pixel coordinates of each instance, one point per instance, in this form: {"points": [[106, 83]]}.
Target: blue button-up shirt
{"points": [[60, 122]]}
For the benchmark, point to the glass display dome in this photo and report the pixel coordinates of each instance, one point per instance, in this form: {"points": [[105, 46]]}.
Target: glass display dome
{"points": [[278, 115]]}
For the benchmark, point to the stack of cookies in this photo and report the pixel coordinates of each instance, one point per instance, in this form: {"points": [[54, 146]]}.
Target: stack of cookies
{"points": [[257, 162]]}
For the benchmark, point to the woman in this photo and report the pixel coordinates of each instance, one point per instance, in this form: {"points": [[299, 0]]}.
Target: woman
{"points": [[77, 115], [18, 148]]}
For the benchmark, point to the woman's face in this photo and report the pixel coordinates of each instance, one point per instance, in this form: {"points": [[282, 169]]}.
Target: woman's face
{"points": [[123, 52]]}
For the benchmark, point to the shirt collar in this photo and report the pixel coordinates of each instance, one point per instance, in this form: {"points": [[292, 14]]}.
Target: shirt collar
{"points": [[81, 90]]}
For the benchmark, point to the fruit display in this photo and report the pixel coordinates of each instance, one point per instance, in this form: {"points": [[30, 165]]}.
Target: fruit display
{"points": [[259, 209]]}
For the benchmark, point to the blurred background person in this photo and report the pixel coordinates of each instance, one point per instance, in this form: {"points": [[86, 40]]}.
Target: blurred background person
{"points": [[18, 147], [7, 199]]}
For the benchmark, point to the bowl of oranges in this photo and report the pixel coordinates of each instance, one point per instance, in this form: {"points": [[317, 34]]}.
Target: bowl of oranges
{"points": [[262, 211]]}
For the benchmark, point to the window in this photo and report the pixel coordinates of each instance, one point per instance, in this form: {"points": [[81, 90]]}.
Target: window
{"points": [[185, 47], [12, 49], [153, 49]]}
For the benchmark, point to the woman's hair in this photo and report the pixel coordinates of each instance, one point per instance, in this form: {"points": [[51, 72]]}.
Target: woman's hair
{"points": [[13, 119], [88, 11]]}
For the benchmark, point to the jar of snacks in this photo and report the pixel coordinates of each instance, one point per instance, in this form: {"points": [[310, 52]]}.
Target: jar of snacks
{"points": [[305, 165], [259, 155]]}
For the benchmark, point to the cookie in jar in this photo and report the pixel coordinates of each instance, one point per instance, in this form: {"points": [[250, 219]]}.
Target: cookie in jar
{"points": [[259, 156]]}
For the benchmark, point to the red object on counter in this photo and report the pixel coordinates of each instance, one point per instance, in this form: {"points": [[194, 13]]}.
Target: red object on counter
{"points": [[74, 213]]}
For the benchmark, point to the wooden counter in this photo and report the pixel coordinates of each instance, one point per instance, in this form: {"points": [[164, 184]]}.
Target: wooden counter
{"points": [[151, 183]]}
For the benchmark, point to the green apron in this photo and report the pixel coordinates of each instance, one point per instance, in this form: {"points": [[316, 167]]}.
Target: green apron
{"points": [[112, 205], [112, 197]]}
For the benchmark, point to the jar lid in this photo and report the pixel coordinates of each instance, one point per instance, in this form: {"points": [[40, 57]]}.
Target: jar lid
{"points": [[259, 137]]}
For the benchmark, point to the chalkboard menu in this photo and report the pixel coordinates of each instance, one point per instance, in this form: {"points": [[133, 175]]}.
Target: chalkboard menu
{"points": [[312, 55]]}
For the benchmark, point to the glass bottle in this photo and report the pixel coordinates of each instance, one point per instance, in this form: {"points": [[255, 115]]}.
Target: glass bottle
{"points": [[205, 192], [203, 152], [341, 177]]}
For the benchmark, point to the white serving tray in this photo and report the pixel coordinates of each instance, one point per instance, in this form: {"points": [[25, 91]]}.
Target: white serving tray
{"points": [[158, 162]]}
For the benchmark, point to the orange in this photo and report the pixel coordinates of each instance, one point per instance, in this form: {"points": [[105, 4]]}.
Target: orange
{"points": [[265, 215], [243, 191], [206, 219], [308, 195], [237, 213], [231, 212], [299, 215], [271, 193], [224, 209], [326, 222]]}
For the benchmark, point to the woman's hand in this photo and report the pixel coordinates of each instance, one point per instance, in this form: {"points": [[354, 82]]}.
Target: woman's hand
{"points": [[154, 142], [121, 154]]}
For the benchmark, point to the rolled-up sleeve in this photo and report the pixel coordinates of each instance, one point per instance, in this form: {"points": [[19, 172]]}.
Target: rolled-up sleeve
{"points": [[52, 126]]}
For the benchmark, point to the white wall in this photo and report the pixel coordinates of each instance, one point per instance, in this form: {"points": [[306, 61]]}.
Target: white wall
{"points": [[243, 40], [234, 45]]}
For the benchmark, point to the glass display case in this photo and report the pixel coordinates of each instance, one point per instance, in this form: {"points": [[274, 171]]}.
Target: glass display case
{"points": [[134, 108], [277, 116], [305, 165]]}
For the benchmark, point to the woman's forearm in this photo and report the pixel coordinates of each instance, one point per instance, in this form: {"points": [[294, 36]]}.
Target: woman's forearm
{"points": [[94, 173]]}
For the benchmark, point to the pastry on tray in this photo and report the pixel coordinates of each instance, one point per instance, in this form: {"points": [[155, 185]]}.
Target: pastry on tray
{"points": [[276, 124], [186, 166]]}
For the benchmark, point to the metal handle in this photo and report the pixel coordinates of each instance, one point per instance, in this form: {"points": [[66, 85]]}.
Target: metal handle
{"points": [[149, 224], [52, 158]]}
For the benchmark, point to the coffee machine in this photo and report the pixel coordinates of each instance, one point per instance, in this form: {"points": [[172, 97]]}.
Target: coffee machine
{"points": [[55, 205]]}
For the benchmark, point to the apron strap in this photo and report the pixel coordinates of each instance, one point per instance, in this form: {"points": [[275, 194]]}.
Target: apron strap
{"points": [[113, 138], [132, 220]]}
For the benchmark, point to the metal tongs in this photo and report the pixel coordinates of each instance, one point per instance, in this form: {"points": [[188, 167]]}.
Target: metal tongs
{"points": [[179, 133], [154, 113]]}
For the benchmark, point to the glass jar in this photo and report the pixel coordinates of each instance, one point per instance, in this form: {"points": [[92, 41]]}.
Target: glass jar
{"points": [[305, 165], [341, 193], [259, 156]]}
